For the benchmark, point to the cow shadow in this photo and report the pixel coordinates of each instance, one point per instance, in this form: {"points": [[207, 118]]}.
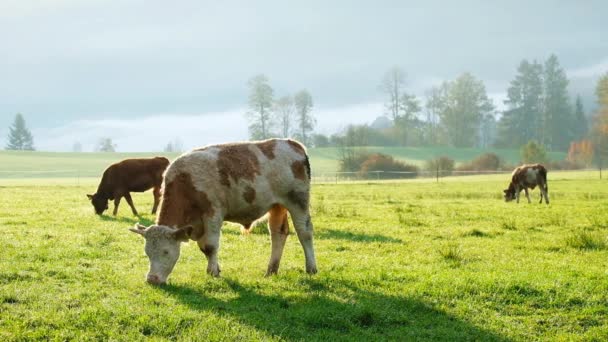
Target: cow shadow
{"points": [[356, 237], [318, 313], [127, 220]]}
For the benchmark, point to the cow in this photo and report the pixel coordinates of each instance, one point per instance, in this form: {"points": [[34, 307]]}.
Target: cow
{"points": [[129, 175], [528, 176], [236, 182]]}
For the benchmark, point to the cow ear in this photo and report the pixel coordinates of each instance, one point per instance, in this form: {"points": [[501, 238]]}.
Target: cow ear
{"points": [[140, 226], [90, 197], [138, 231], [183, 234]]}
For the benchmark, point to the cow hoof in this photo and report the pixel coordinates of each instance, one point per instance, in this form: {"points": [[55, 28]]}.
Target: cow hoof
{"points": [[214, 272], [311, 270]]}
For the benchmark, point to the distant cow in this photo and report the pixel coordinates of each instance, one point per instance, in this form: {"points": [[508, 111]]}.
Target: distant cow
{"points": [[129, 175], [528, 176], [240, 183]]}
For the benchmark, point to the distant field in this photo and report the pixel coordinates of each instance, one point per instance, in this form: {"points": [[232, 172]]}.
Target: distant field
{"points": [[413, 260], [323, 160]]}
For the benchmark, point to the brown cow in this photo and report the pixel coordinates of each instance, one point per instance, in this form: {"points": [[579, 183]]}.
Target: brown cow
{"points": [[238, 183], [528, 176], [129, 175]]}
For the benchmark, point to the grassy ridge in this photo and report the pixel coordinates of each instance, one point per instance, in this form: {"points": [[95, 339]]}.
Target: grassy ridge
{"points": [[415, 260], [323, 160]]}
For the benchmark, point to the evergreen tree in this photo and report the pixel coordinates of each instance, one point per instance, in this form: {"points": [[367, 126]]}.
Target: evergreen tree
{"points": [[19, 137], [580, 125], [599, 131], [558, 117], [523, 120]]}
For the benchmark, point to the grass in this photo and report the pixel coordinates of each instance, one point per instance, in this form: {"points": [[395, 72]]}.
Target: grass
{"points": [[414, 260]]}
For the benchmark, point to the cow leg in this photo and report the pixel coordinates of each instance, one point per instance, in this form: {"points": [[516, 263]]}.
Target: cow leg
{"points": [[278, 225], [304, 229], [517, 192], [545, 192], [156, 194], [209, 244], [527, 195], [130, 201], [116, 203]]}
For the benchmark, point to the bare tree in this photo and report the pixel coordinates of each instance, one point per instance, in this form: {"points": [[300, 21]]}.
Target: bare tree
{"points": [[306, 122], [174, 145], [392, 85], [260, 106], [284, 111]]}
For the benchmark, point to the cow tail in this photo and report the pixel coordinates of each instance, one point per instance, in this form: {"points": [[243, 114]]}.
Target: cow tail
{"points": [[307, 165]]}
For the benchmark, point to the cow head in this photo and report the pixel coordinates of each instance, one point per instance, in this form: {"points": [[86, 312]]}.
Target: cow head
{"points": [[100, 203], [509, 193], [162, 248]]}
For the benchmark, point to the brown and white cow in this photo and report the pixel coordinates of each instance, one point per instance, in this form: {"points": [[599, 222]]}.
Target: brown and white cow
{"points": [[240, 183], [528, 177], [129, 175]]}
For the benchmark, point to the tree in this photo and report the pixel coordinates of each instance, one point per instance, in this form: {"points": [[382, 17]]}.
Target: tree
{"points": [[599, 131], [392, 85], [558, 117], [462, 107], [304, 119], [77, 147], [409, 107], [581, 153], [260, 106], [580, 125], [106, 145], [174, 146], [284, 110], [434, 104], [532, 152], [523, 119], [19, 137], [320, 140]]}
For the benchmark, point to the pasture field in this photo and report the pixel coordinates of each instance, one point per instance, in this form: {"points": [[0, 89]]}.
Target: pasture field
{"points": [[411, 260]]}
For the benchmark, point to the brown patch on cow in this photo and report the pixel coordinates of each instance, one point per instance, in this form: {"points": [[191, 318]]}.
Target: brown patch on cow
{"points": [[299, 170], [183, 205], [299, 198], [249, 195], [297, 147], [267, 147], [237, 162]]}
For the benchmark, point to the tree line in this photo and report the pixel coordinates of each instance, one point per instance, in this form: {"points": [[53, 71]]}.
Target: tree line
{"points": [[459, 112], [289, 116]]}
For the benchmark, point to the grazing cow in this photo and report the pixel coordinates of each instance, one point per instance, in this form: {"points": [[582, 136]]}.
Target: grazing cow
{"points": [[129, 175], [528, 176], [240, 183]]}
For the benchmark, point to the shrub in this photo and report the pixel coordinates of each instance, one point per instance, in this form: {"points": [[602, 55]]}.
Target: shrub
{"points": [[533, 152], [383, 162], [484, 162], [580, 153], [563, 165], [352, 161], [444, 164]]}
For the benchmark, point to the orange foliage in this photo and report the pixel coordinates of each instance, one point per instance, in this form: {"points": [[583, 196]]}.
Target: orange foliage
{"points": [[581, 152]]}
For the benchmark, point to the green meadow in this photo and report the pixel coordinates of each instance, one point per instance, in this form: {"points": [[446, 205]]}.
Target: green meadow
{"points": [[410, 260]]}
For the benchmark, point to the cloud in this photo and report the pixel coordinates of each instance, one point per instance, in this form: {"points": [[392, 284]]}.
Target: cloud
{"points": [[589, 71], [152, 133]]}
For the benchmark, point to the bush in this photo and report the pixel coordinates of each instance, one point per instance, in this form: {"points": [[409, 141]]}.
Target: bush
{"points": [[351, 161], [533, 152], [444, 164], [383, 162], [581, 153], [563, 165], [484, 162]]}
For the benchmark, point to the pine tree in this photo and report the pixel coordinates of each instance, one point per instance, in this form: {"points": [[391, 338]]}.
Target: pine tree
{"points": [[19, 137], [579, 125], [558, 116], [523, 120]]}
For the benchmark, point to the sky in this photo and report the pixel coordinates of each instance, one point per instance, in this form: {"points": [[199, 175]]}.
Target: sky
{"points": [[146, 72]]}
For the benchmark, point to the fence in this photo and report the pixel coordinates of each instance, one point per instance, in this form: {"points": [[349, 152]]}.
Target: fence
{"points": [[76, 176]]}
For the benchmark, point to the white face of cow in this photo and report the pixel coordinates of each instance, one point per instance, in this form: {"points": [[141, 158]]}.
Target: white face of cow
{"points": [[162, 248]]}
